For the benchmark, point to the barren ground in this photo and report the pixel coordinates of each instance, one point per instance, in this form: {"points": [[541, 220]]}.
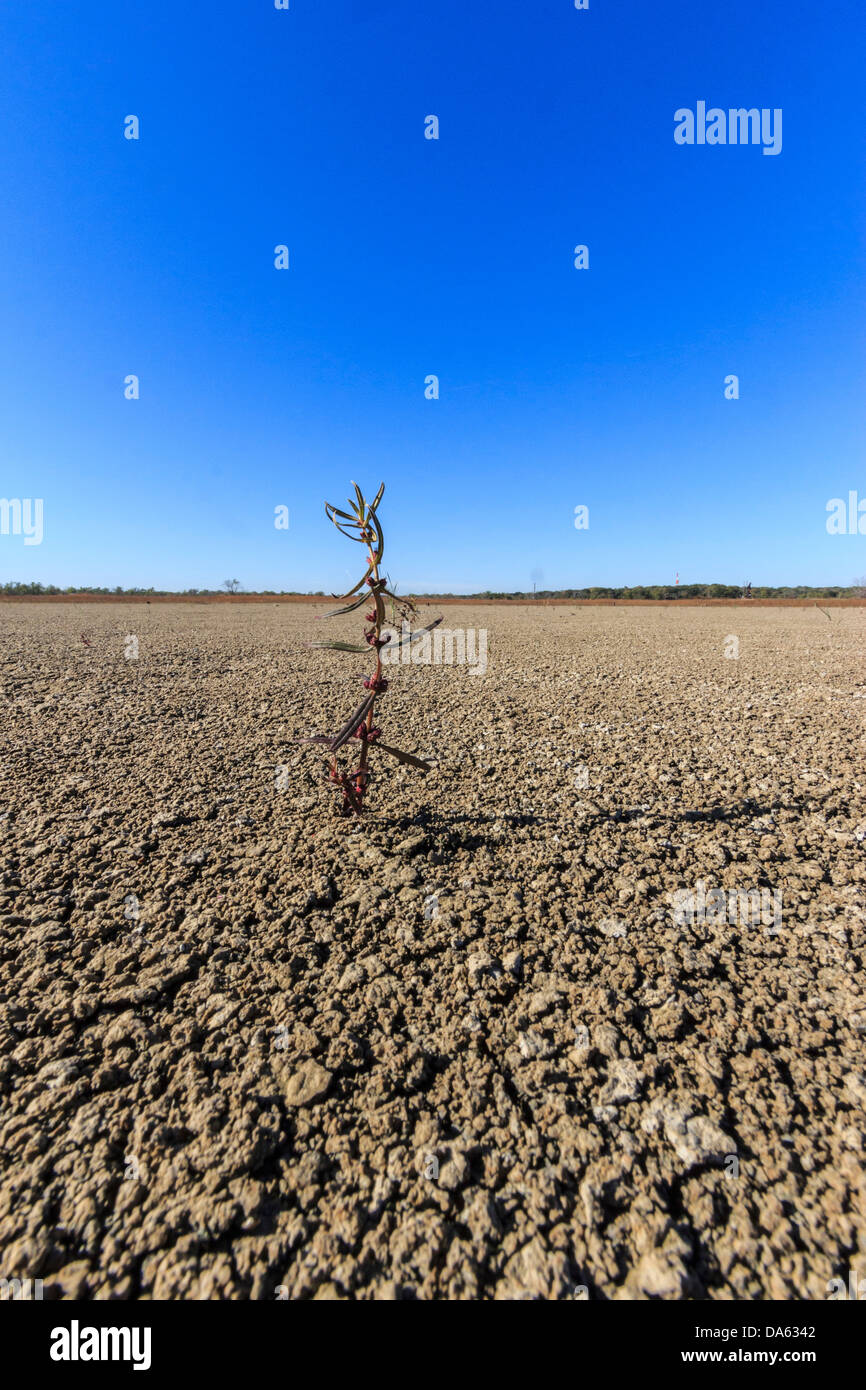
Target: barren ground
{"points": [[461, 1050]]}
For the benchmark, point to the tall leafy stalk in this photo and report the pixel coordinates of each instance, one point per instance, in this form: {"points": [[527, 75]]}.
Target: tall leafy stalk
{"points": [[361, 523]]}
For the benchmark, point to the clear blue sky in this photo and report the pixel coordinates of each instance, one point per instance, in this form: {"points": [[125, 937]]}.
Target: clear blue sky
{"points": [[410, 257]]}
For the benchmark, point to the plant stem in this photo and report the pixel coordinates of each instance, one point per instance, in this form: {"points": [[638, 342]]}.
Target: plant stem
{"points": [[362, 764]]}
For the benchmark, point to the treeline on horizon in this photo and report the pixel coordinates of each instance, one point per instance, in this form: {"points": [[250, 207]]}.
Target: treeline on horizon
{"points": [[673, 591], [640, 591]]}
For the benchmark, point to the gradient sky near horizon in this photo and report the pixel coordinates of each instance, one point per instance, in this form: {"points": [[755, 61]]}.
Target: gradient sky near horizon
{"points": [[412, 257]]}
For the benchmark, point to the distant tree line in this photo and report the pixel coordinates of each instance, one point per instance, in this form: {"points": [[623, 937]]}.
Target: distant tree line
{"points": [[640, 591], [13, 587], [674, 591]]}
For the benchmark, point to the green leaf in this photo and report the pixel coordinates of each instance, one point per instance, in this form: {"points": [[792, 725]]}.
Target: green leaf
{"points": [[345, 533], [329, 508], [366, 597], [413, 637], [355, 587], [380, 539], [349, 608], [352, 723], [355, 522]]}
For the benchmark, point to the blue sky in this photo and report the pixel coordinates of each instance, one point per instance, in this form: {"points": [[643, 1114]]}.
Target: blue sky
{"points": [[411, 257]]}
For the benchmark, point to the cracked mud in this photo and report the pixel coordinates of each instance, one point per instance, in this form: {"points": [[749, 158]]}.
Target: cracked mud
{"points": [[464, 1049]]}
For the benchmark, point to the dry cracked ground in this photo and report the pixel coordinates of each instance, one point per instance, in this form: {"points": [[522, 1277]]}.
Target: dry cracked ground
{"points": [[464, 1049]]}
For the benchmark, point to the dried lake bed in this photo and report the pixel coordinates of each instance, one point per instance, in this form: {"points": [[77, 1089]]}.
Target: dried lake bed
{"points": [[580, 1014]]}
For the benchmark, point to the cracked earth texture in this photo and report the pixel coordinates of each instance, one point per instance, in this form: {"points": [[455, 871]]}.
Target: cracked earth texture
{"points": [[463, 1049]]}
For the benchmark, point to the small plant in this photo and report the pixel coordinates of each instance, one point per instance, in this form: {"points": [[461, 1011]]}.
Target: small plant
{"points": [[362, 524]]}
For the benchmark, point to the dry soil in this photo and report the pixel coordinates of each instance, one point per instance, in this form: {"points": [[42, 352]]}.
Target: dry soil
{"points": [[462, 1049]]}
